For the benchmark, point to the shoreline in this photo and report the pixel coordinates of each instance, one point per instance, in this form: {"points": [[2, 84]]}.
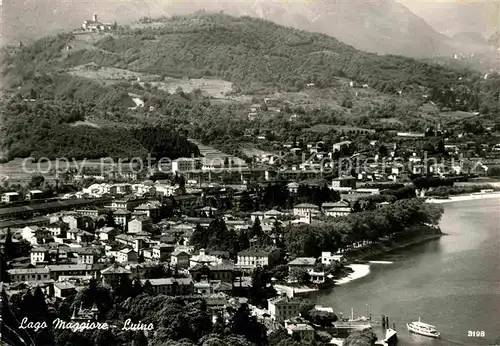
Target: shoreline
{"points": [[360, 263], [464, 198], [359, 270]]}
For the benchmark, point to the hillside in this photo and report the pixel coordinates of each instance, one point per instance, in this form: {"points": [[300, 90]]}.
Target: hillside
{"points": [[381, 26], [245, 51], [197, 75]]}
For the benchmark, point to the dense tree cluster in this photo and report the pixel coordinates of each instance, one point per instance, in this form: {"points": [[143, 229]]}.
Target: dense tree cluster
{"points": [[177, 320], [47, 129], [310, 240]]}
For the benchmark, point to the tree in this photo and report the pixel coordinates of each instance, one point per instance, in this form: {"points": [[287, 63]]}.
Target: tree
{"points": [[243, 323], [148, 288], [361, 338], [382, 150], [256, 230], [140, 339], [246, 203], [306, 305], [322, 318], [260, 291], [301, 276], [9, 247], [243, 242], [36, 181]]}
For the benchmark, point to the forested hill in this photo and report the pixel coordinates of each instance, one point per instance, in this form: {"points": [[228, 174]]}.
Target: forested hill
{"points": [[242, 50], [58, 90]]}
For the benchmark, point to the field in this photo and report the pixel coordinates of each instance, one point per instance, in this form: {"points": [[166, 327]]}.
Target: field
{"points": [[108, 75], [85, 123], [450, 117], [325, 128], [216, 88], [20, 171], [250, 151]]}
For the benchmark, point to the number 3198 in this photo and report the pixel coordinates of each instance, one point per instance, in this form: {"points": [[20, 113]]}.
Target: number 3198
{"points": [[476, 333]]}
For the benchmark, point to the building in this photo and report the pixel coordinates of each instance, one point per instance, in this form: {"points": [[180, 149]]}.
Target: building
{"points": [[33, 194], [114, 275], [126, 255], [305, 209], [87, 255], [121, 217], [411, 134], [341, 145], [59, 270], [140, 224], [128, 240], [9, 197], [317, 277], [39, 255], [58, 229], [35, 234], [184, 164], [180, 259], [93, 25], [327, 258], [300, 331], [204, 258], [162, 252], [293, 187], [127, 203], [302, 263], [341, 182], [171, 286], [107, 233], [258, 257], [29, 274], [340, 208], [283, 308], [26, 211], [151, 209], [222, 272], [63, 289]]}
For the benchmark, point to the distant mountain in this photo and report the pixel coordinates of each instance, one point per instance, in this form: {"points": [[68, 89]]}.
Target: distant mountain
{"points": [[381, 26], [451, 17], [494, 40], [469, 38]]}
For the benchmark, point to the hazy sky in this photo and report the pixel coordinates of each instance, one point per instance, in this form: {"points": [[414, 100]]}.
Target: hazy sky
{"points": [[452, 16]]}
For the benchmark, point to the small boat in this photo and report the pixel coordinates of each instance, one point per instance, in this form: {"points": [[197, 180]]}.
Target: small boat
{"points": [[423, 329]]}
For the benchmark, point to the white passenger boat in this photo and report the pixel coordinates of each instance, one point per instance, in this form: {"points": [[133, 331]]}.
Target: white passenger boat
{"points": [[423, 329]]}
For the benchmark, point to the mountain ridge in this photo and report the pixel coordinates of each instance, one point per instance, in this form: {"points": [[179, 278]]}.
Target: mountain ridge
{"points": [[367, 25]]}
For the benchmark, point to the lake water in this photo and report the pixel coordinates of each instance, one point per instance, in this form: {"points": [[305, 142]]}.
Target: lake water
{"points": [[452, 282]]}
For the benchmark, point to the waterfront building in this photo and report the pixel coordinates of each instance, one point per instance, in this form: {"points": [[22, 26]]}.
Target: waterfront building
{"points": [[283, 308]]}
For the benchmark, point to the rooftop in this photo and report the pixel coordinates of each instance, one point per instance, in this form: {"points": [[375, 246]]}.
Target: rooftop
{"points": [[306, 205], [41, 207], [303, 261], [69, 267], [115, 270], [257, 252]]}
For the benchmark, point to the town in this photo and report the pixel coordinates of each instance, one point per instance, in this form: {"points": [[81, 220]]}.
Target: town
{"points": [[228, 234]]}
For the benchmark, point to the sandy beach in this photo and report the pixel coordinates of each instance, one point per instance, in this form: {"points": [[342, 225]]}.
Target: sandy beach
{"points": [[359, 270], [469, 197]]}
